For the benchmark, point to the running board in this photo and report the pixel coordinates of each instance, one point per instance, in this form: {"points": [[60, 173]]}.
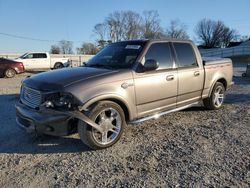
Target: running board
{"points": [[156, 116]]}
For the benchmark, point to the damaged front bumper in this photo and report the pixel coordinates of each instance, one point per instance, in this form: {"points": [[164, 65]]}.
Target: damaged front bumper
{"points": [[49, 121]]}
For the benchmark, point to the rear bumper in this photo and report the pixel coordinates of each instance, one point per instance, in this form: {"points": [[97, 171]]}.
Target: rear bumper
{"points": [[47, 121], [19, 70]]}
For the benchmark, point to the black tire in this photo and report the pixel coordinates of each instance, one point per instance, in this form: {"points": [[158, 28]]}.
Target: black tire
{"points": [[10, 73], [86, 132], [209, 102], [244, 74], [58, 65]]}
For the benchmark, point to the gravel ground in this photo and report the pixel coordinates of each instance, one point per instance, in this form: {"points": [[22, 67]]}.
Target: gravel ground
{"points": [[191, 148]]}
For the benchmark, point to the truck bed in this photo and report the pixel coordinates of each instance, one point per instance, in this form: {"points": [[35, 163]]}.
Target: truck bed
{"points": [[216, 69], [215, 60]]}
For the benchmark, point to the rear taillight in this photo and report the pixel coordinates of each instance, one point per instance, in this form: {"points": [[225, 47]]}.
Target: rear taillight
{"points": [[20, 64]]}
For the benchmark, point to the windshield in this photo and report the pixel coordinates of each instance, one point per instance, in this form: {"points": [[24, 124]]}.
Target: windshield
{"points": [[22, 56], [119, 55]]}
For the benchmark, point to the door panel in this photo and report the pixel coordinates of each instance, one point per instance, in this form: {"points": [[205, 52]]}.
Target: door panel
{"points": [[190, 74], [190, 85], [43, 63], [40, 61], [154, 92], [27, 61], [33, 63]]}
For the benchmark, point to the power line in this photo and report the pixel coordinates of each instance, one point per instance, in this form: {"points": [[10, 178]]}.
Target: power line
{"points": [[27, 38], [33, 39]]}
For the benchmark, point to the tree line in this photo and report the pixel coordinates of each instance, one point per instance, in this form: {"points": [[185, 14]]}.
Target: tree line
{"points": [[129, 25]]}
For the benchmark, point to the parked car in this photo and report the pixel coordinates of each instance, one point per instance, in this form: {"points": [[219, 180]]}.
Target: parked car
{"points": [[9, 68], [127, 82], [41, 60]]}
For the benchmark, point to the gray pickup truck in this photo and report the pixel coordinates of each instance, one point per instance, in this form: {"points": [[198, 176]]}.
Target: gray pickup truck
{"points": [[126, 82]]}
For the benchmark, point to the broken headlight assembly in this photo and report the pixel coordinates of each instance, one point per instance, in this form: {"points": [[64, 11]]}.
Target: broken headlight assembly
{"points": [[63, 101]]}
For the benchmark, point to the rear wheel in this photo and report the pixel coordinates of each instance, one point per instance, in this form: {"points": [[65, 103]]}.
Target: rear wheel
{"points": [[110, 117], [217, 97], [58, 66], [10, 73]]}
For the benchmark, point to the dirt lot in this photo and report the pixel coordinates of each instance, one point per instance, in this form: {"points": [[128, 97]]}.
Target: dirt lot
{"points": [[194, 147]]}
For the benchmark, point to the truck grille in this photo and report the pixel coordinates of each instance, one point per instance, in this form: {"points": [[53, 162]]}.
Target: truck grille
{"points": [[31, 97]]}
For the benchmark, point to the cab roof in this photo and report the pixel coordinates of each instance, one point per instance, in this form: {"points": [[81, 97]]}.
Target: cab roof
{"points": [[154, 40]]}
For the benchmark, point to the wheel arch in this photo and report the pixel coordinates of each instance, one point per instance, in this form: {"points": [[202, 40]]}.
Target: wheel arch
{"points": [[221, 80], [117, 99], [58, 62]]}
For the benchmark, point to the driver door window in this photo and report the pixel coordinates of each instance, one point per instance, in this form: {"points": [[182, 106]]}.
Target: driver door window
{"points": [[29, 56], [162, 54]]}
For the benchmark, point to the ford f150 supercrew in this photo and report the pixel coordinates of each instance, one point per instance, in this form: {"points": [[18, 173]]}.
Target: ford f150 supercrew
{"points": [[126, 82]]}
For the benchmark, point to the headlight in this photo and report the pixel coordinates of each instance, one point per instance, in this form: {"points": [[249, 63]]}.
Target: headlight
{"points": [[59, 100]]}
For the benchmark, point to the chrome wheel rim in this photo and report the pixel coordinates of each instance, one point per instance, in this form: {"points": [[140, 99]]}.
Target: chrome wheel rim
{"points": [[110, 121], [218, 97]]}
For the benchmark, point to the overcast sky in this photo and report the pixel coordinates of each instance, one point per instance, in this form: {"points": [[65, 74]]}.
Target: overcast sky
{"points": [[74, 20]]}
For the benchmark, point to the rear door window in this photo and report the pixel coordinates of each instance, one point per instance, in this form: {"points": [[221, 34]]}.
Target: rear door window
{"points": [[185, 55], [43, 55], [40, 55], [161, 53]]}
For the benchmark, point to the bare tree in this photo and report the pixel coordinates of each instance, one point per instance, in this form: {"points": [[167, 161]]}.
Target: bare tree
{"points": [[102, 43], [131, 25], [55, 49], [228, 36], [101, 31], [119, 25], [214, 33], [128, 25], [66, 47], [88, 48], [176, 30], [114, 24], [209, 32], [151, 27]]}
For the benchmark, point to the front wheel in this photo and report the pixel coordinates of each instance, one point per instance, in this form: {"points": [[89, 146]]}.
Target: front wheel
{"points": [[216, 98], [110, 117]]}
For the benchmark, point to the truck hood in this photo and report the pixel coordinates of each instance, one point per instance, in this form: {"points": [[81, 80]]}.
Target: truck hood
{"points": [[58, 79]]}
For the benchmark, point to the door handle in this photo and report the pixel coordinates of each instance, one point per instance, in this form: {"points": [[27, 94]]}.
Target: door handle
{"points": [[196, 73], [170, 77]]}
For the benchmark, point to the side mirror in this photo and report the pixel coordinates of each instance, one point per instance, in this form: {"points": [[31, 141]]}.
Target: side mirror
{"points": [[150, 65]]}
